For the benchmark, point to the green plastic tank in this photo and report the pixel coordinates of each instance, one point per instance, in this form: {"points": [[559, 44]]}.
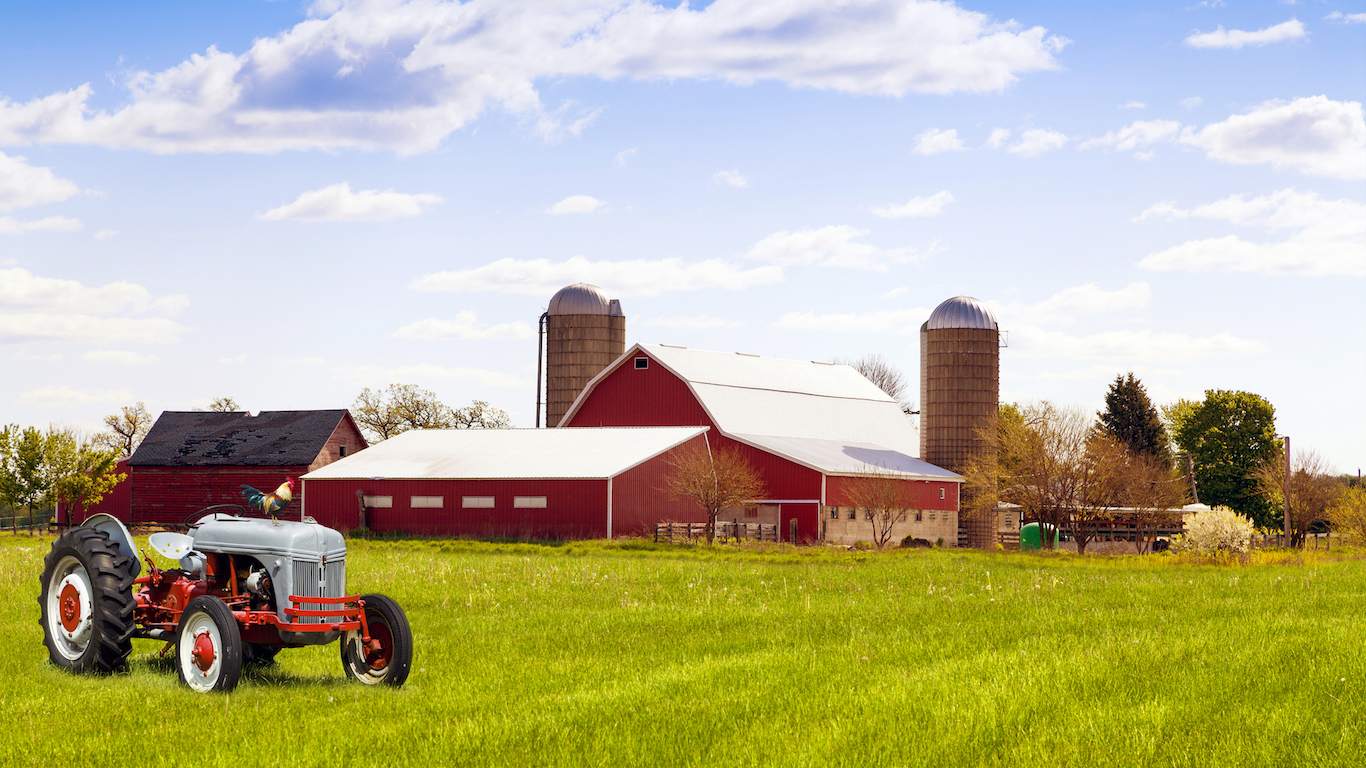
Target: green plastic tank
{"points": [[1029, 536]]}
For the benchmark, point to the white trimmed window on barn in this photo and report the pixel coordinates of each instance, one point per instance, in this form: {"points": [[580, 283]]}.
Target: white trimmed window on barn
{"points": [[476, 502], [528, 502], [378, 502], [427, 502]]}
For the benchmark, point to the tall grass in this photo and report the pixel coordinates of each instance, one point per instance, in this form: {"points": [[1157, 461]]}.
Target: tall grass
{"points": [[636, 654]]}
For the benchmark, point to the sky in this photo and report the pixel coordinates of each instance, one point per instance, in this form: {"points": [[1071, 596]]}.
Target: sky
{"points": [[285, 202]]}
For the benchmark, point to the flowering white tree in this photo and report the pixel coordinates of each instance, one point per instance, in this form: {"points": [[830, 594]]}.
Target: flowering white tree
{"points": [[1213, 531]]}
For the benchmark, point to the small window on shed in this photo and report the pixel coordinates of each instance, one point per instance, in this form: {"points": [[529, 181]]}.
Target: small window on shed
{"points": [[751, 511], [834, 513], [941, 493], [853, 514], [476, 502], [931, 514], [378, 502], [528, 502], [427, 502], [341, 451], [642, 363]]}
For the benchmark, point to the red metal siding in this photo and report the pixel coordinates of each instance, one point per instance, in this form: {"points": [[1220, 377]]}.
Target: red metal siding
{"points": [[652, 397], [170, 494], [575, 509], [640, 498], [118, 502], [925, 494]]}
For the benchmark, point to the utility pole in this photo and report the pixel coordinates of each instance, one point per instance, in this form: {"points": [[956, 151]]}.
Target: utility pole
{"points": [[1285, 491], [1190, 473]]}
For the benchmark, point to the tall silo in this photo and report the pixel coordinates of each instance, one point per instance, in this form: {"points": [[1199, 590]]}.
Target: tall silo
{"points": [[960, 390], [585, 331]]}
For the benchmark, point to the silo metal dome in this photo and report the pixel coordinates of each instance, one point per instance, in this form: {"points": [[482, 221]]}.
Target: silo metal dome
{"points": [[962, 312], [583, 299]]}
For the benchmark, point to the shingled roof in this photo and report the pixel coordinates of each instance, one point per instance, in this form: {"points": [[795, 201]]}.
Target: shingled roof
{"points": [[210, 439]]}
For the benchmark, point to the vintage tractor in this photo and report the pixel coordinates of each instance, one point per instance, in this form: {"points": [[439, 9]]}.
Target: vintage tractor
{"points": [[245, 588]]}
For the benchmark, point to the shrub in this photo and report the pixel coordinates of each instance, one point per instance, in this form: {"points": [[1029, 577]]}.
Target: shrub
{"points": [[912, 541], [1348, 515], [1214, 531]]}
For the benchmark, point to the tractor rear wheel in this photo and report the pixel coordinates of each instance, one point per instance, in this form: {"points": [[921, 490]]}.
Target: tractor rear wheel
{"points": [[208, 646], [87, 602], [390, 654]]}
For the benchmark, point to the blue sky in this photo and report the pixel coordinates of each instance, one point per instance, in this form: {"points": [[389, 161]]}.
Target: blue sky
{"points": [[286, 202]]}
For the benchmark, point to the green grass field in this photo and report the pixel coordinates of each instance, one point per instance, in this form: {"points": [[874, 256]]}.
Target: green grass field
{"points": [[613, 654]]}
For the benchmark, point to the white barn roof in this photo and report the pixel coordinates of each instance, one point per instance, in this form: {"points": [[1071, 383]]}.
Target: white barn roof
{"points": [[844, 457], [591, 453], [748, 395]]}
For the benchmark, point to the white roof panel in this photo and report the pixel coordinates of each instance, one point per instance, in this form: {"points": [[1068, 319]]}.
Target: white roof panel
{"points": [[498, 454], [845, 457], [766, 373], [788, 414]]}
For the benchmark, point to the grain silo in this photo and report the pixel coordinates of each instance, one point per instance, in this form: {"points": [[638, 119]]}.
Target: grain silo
{"points": [[585, 331], [960, 386]]}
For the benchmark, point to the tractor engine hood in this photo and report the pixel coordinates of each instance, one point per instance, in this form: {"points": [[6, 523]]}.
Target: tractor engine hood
{"points": [[262, 538]]}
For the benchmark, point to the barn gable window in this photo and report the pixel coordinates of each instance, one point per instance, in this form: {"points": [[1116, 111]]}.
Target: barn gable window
{"points": [[378, 502], [476, 502], [427, 502], [642, 363], [528, 502]]}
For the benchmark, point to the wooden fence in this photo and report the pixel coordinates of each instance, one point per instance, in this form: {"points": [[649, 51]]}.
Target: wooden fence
{"points": [[1325, 541], [725, 531]]}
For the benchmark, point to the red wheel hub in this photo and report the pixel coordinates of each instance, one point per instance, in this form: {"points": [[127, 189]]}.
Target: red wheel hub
{"points": [[69, 605], [381, 645], [202, 653]]}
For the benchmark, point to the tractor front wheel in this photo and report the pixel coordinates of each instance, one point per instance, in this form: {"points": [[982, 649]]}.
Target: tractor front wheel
{"points": [[208, 646], [87, 602], [389, 656]]}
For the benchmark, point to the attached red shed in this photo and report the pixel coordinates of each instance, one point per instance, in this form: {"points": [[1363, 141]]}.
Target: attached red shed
{"points": [[809, 428], [515, 483], [194, 459]]}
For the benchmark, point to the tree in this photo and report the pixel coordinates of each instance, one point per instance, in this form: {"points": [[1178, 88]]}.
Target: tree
{"points": [[713, 480], [126, 429], [24, 477], [886, 376], [1130, 418], [1230, 434], [1347, 513], [1313, 489], [1151, 489], [81, 471], [381, 414], [884, 496], [223, 405], [1214, 531]]}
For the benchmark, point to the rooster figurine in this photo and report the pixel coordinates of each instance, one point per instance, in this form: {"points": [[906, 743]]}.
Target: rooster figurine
{"points": [[272, 502]]}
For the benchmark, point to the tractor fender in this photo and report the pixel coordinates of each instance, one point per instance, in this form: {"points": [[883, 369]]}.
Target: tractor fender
{"points": [[118, 533]]}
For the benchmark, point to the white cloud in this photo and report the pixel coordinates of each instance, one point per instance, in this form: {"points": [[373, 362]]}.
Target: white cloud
{"points": [[12, 226], [697, 322], [1313, 135], [338, 203], [899, 291], [1139, 133], [1191, 102], [998, 138], [1237, 38], [464, 326], [639, 277], [1129, 346], [1346, 18], [118, 357], [1133, 105], [917, 206], [882, 321], [836, 246], [23, 185], [1323, 237], [625, 155], [1037, 141], [729, 179], [373, 375], [105, 234], [576, 204], [1071, 304], [36, 308], [404, 75], [66, 397], [934, 141]]}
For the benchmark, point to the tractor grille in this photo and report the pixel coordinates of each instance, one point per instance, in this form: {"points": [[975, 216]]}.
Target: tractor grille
{"points": [[319, 580]]}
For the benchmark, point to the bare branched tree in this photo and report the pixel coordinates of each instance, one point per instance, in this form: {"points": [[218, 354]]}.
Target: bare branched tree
{"points": [[1151, 489], [126, 429], [886, 376], [224, 405], [884, 497], [713, 479], [381, 414], [1313, 489]]}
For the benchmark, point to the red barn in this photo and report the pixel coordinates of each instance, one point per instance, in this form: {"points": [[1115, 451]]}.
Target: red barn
{"points": [[809, 428], [191, 460], [515, 483]]}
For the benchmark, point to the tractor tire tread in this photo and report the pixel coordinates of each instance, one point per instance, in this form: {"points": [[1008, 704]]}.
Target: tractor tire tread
{"points": [[111, 577]]}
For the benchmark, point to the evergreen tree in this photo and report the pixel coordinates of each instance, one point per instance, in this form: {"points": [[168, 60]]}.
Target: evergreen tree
{"points": [[1231, 434], [1131, 418]]}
